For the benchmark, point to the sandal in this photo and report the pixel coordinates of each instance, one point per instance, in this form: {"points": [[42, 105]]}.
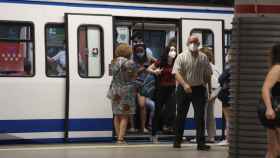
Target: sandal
{"points": [[121, 141]]}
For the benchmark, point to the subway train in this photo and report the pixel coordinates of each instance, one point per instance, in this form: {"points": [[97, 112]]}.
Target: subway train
{"points": [[47, 101]]}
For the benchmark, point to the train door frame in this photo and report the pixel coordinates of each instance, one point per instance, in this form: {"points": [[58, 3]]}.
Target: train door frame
{"points": [[85, 124]]}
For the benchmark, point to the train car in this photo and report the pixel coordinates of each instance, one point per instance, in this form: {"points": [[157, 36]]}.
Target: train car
{"points": [[55, 56]]}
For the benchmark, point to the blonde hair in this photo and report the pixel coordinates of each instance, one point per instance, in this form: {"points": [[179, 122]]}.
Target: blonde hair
{"points": [[123, 50], [209, 53]]}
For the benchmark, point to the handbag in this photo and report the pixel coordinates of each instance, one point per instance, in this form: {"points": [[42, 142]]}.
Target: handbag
{"points": [[261, 113]]}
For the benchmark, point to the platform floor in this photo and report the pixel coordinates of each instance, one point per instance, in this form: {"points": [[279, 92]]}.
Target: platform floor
{"points": [[110, 151]]}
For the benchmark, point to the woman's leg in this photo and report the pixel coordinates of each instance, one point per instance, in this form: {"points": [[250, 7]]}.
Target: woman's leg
{"points": [[226, 112], [141, 102], [151, 106], [123, 126], [272, 143], [117, 125]]}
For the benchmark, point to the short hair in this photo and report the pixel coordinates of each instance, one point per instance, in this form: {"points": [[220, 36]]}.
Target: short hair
{"points": [[193, 38], [208, 52], [123, 50], [274, 55]]}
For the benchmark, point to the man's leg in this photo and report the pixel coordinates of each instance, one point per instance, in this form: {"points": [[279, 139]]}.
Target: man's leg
{"points": [[199, 100], [183, 104]]}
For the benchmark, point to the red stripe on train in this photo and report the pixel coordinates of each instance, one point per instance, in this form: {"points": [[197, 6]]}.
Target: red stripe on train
{"points": [[247, 8]]}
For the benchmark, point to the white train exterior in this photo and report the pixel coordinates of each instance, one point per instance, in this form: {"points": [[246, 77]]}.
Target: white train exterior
{"points": [[75, 108]]}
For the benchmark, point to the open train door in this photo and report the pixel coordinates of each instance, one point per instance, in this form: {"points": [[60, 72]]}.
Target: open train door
{"points": [[211, 34], [90, 49]]}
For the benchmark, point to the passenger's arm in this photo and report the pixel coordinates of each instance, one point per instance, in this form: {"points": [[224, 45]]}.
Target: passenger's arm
{"points": [[154, 70], [271, 79], [182, 82]]}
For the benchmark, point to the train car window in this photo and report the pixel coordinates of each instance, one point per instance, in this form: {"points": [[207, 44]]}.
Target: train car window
{"points": [[16, 49], [55, 50], [227, 40], [90, 51], [206, 38]]}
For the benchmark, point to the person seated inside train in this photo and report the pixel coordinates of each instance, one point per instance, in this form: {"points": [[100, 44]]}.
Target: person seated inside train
{"points": [[59, 60], [144, 81]]}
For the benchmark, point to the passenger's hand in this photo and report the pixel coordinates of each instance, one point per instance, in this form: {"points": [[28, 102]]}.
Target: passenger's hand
{"points": [[187, 88], [211, 99], [157, 71], [270, 114]]}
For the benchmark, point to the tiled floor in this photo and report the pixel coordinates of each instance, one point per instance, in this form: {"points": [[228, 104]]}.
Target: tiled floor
{"points": [[110, 151]]}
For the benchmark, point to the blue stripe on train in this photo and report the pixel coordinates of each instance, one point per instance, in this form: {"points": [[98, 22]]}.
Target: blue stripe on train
{"points": [[57, 125], [107, 6]]}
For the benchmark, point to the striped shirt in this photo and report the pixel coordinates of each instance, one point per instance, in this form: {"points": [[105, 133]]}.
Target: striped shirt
{"points": [[194, 70]]}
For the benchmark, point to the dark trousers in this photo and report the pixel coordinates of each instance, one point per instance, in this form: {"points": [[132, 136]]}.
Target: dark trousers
{"points": [[198, 99], [165, 99]]}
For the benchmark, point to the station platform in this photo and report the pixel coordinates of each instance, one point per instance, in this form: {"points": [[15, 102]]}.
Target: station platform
{"points": [[130, 150]]}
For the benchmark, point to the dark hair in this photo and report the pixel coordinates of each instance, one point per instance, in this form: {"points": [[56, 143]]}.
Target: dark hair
{"points": [[138, 35], [134, 53], [275, 54], [164, 56]]}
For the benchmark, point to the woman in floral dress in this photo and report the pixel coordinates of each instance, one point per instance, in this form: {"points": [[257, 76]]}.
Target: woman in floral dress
{"points": [[122, 92]]}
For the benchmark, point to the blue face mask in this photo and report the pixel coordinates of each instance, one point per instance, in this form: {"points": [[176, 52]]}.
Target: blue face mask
{"points": [[140, 54]]}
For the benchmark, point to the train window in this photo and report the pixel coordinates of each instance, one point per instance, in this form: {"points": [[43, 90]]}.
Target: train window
{"points": [[16, 49], [55, 50], [206, 38], [227, 40], [90, 51]]}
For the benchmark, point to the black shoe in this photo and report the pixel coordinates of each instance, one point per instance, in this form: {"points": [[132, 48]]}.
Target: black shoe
{"points": [[176, 144], [203, 147]]}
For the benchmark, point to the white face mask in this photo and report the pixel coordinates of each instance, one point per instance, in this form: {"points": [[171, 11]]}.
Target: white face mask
{"points": [[172, 54], [193, 47]]}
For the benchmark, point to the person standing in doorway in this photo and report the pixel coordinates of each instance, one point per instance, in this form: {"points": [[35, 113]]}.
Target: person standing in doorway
{"points": [[192, 71]]}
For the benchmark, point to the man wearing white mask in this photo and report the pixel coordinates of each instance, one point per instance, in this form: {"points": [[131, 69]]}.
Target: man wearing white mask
{"points": [[192, 72]]}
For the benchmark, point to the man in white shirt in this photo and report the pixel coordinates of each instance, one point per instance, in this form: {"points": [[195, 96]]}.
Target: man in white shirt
{"points": [[192, 72]]}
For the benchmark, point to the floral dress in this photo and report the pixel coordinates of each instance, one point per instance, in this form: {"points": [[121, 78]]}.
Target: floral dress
{"points": [[122, 91]]}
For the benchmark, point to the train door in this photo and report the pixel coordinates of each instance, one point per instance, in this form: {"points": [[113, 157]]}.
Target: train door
{"points": [[210, 33], [156, 35], [90, 45]]}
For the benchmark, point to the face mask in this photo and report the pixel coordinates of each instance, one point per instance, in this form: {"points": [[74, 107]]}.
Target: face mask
{"points": [[193, 47], [140, 54], [172, 54]]}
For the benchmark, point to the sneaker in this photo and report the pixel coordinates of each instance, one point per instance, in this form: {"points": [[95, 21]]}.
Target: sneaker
{"points": [[210, 140], [203, 147], [145, 130], [155, 139], [223, 142], [132, 130]]}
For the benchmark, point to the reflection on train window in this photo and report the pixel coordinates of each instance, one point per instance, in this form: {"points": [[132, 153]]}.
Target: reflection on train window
{"points": [[55, 50], [90, 53], [16, 49], [206, 38]]}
